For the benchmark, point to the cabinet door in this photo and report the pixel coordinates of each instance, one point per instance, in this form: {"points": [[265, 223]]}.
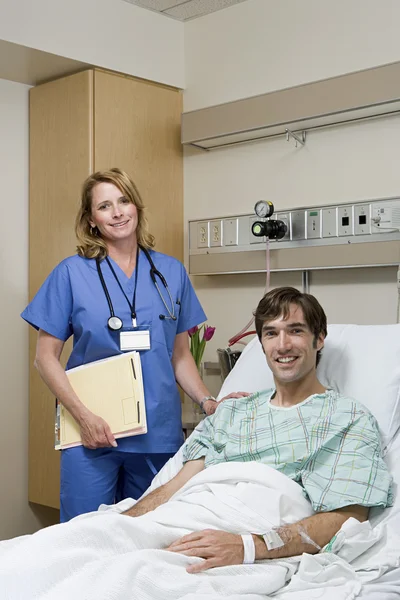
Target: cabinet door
{"points": [[60, 160], [137, 128]]}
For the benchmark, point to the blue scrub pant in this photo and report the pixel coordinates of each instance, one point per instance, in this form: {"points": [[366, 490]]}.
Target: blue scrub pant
{"points": [[103, 476]]}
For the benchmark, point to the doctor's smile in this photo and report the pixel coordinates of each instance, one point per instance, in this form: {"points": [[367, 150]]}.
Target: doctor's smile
{"points": [[119, 224]]}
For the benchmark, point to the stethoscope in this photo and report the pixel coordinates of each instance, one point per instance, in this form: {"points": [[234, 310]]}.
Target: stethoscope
{"points": [[114, 322]]}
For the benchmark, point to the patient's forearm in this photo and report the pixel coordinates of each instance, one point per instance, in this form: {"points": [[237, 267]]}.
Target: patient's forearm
{"points": [[151, 501], [165, 492], [309, 535]]}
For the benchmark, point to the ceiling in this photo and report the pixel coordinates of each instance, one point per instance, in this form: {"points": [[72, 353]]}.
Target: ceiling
{"points": [[184, 10]]}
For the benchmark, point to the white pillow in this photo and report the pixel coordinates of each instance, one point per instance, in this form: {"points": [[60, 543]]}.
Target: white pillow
{"points": [[360, 361]]}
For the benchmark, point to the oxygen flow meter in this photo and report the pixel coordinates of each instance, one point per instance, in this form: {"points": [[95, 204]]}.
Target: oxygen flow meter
{"points": [[273, 229]]}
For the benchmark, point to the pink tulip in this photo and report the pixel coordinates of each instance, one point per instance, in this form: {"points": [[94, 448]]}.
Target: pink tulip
{"points": [[208, 333], [193, 330]]}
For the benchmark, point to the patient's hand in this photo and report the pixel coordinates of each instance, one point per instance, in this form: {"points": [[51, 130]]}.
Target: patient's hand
{"points": [[218, 548]]}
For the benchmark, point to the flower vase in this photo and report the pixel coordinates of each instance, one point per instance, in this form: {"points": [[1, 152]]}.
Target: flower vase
{"points": [[197, 413]]}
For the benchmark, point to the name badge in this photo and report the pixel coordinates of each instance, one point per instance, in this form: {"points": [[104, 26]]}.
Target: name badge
{"points": [[134, 339]]}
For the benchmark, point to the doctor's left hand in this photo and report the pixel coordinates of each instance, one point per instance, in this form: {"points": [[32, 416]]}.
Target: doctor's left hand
{"points": [[218, 548], [211, 406], [234, 395]]}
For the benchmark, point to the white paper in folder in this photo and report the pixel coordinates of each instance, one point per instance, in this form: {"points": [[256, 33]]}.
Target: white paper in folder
{"points": [[111, 388]]}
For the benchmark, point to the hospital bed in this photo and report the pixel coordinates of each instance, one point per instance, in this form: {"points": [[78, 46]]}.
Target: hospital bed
{"points": [[91, 557], [359, 361]]}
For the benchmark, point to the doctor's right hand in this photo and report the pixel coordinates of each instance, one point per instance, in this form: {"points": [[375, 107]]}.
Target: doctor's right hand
{"points": [[95, 432]]}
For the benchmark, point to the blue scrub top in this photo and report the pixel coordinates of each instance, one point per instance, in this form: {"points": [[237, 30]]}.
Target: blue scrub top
{"points": [[72, 302]]}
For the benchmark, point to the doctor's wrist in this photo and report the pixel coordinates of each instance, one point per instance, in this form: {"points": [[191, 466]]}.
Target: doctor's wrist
{"points": [[208, 404], [82, 415]]}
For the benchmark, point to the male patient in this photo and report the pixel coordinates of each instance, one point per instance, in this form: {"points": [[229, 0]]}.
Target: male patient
{"points": [[327, 443]]}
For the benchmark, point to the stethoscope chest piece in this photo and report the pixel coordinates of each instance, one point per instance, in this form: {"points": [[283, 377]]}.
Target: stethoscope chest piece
{"points": [[114, 323]]}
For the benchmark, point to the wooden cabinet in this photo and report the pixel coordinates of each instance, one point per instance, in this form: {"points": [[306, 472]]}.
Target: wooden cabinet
{"points": [[86, 122]]}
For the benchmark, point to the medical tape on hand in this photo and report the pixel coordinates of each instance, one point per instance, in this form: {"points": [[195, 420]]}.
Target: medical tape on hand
{"points": [[273, 540], [249, 549]]}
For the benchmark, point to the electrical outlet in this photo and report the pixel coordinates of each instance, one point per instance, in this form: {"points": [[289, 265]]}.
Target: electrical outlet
{"points": [[345, 220], [203, 237], [215, 233]]}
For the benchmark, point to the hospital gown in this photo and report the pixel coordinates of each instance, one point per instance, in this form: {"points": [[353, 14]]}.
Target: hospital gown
{"points": [[328, 443]]}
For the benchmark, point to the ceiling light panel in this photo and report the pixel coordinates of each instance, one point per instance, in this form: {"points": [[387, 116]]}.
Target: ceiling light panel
{"points": [[157, 5], [198, 8]]}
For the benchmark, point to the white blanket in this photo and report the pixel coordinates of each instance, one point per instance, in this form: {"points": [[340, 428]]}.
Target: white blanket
{"points": [[108, 556]]}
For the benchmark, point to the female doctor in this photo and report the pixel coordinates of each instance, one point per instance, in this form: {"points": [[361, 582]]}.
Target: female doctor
{"points": [[114, 287]]}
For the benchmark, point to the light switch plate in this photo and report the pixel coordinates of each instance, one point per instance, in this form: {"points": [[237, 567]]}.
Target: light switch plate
{"points": [[329, 222], [313, 217], [298, 225], [231, 229]]}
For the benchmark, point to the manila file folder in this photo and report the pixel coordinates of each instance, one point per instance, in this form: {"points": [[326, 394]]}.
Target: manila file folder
{"points": [[111, 388]]}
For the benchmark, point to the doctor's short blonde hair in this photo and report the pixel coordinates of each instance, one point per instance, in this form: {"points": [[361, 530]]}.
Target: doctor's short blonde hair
{"points": [[90, 242]]}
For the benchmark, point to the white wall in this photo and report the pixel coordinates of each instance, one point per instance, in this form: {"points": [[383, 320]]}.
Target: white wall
{"points": [[16, 516], [261, 45], [111, 34]]}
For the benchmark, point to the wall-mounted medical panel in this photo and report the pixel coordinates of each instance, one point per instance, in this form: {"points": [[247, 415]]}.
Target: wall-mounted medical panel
{"points": [[362, 234]]}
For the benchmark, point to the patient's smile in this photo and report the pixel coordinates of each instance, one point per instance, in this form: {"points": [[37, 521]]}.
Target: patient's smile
{"points": [[286, 359]]}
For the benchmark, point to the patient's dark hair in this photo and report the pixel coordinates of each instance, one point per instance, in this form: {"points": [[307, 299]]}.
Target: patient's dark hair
{"points": [[276, 303]]}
